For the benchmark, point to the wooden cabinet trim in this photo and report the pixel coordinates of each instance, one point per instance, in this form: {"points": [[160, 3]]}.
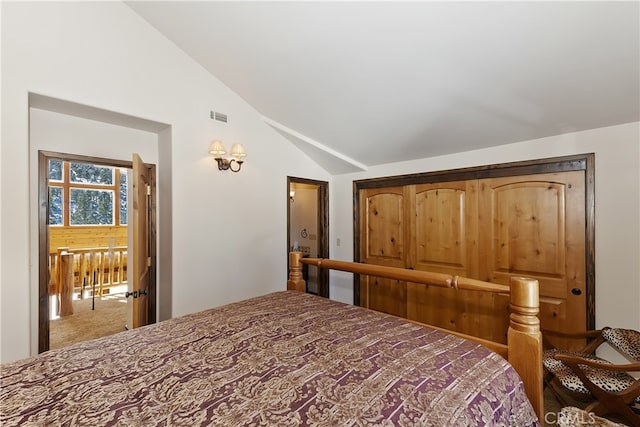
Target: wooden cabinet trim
{"points": [[549, 165]]}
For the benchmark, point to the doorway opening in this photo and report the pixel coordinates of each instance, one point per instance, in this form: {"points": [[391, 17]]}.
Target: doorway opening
{"points": [[88, 250], [308, 228], [97, 136], [86, 259]]}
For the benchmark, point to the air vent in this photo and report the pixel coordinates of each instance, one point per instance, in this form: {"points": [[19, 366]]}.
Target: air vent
{"points": [[221, 117]]}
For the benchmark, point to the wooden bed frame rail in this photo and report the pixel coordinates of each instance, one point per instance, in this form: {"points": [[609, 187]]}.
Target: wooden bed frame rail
{"points": [[524, 339]]}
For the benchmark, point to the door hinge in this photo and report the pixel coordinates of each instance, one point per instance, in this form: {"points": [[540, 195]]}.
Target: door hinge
{"points": [[148, 190], [148, 261]]}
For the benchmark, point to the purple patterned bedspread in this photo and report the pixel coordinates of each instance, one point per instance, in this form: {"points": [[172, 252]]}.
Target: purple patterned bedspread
{"points": [[284, 359]]}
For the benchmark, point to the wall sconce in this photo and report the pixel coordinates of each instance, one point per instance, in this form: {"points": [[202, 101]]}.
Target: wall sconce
{"points": [[291, 196], [237, 153]]}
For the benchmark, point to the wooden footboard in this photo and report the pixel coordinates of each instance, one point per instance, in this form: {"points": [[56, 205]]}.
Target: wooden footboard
{"points": [[524, 339]]}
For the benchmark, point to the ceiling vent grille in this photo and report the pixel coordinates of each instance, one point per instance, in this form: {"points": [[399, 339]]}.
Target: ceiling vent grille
{"points": [[221, 117]]}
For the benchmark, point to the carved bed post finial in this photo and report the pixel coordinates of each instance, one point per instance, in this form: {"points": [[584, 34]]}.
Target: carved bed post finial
{"points": [[295, 282], [525, 338]]}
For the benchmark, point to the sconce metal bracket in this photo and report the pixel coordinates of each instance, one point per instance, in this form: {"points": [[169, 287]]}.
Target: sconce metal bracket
{"points": [[226, 164]]}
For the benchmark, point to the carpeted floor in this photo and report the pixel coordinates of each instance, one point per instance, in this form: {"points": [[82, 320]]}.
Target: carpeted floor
{"points": [[552, 407], [108, 318]]}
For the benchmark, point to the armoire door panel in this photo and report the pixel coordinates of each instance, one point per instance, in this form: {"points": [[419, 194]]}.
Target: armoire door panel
{"points": [[443, 230], [383, 219], [537, 229], [475, 313], [386, 295], [549, 287], [528, 227], [553, 311], [432, 305], [443, 227]]}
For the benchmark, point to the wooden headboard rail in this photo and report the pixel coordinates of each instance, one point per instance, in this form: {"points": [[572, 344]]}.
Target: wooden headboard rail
{"points": [[524, 339]]}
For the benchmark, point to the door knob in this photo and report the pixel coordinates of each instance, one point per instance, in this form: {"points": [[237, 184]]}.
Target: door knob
{"points": [[576, 291]]}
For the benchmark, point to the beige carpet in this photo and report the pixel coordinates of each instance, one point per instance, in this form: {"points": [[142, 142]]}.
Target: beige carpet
{"points": [[552, 407], [108, 318]]}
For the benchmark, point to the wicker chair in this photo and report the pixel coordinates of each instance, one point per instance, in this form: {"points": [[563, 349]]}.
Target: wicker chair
{"points": [[611, 386]]}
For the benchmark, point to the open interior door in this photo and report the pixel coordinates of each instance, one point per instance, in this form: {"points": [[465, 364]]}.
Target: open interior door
{"points": [[140, 259]]}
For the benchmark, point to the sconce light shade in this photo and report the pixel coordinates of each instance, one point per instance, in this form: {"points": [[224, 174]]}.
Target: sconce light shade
{"points": [[216, 149], [237, 152]]}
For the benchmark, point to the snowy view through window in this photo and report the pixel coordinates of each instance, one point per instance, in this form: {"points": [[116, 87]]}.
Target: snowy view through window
{"points": [[90, 194]]}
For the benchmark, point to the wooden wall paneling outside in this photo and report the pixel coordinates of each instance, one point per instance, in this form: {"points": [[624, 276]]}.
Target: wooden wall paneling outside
{"points": [[86, 236], [383, 216]]}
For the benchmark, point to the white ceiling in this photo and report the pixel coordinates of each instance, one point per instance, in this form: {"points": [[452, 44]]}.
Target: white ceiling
{"points": [[356, 84]]}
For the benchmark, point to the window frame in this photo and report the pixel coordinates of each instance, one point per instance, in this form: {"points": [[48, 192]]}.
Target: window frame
{"points": [[67, 185]]}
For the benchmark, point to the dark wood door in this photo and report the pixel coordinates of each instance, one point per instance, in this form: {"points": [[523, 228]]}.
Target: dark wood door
{"points": [[141, 258]]}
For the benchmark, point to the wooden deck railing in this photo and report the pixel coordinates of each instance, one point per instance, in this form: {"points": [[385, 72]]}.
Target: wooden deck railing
{"points": [[81, 270]]}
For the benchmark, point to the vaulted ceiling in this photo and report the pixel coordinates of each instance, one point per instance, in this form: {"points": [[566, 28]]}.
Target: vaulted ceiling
{"points": [[356, 84]]}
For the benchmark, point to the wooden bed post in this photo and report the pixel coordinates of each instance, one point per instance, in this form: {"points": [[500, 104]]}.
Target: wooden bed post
{"points": [[524, 348], [525, 339], [295, 282]]}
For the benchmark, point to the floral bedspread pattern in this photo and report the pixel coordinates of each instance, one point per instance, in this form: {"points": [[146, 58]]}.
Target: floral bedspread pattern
{"points": [[284, 359]]}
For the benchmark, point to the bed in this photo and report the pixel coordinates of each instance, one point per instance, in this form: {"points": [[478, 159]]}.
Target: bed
{"points": [[282, 359]]}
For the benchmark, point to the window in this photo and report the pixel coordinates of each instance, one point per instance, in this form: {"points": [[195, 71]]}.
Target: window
{"points": [[86, 194], [90, 207], [55, 206], [55, 170], [123, 197], [82, 173]]}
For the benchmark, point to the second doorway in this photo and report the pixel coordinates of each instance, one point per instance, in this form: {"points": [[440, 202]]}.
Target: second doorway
{"points": [[308, 228]]}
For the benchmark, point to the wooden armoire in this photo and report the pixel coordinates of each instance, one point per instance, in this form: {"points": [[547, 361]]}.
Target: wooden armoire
{"points": [[532, 219]]}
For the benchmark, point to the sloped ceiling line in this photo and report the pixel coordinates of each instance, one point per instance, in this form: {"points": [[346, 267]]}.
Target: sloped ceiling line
{"points": [[332, 160]]}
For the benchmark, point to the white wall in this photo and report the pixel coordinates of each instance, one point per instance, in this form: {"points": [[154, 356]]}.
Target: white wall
{"points": [[51, 131], [617, 193], [102, 54]]}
